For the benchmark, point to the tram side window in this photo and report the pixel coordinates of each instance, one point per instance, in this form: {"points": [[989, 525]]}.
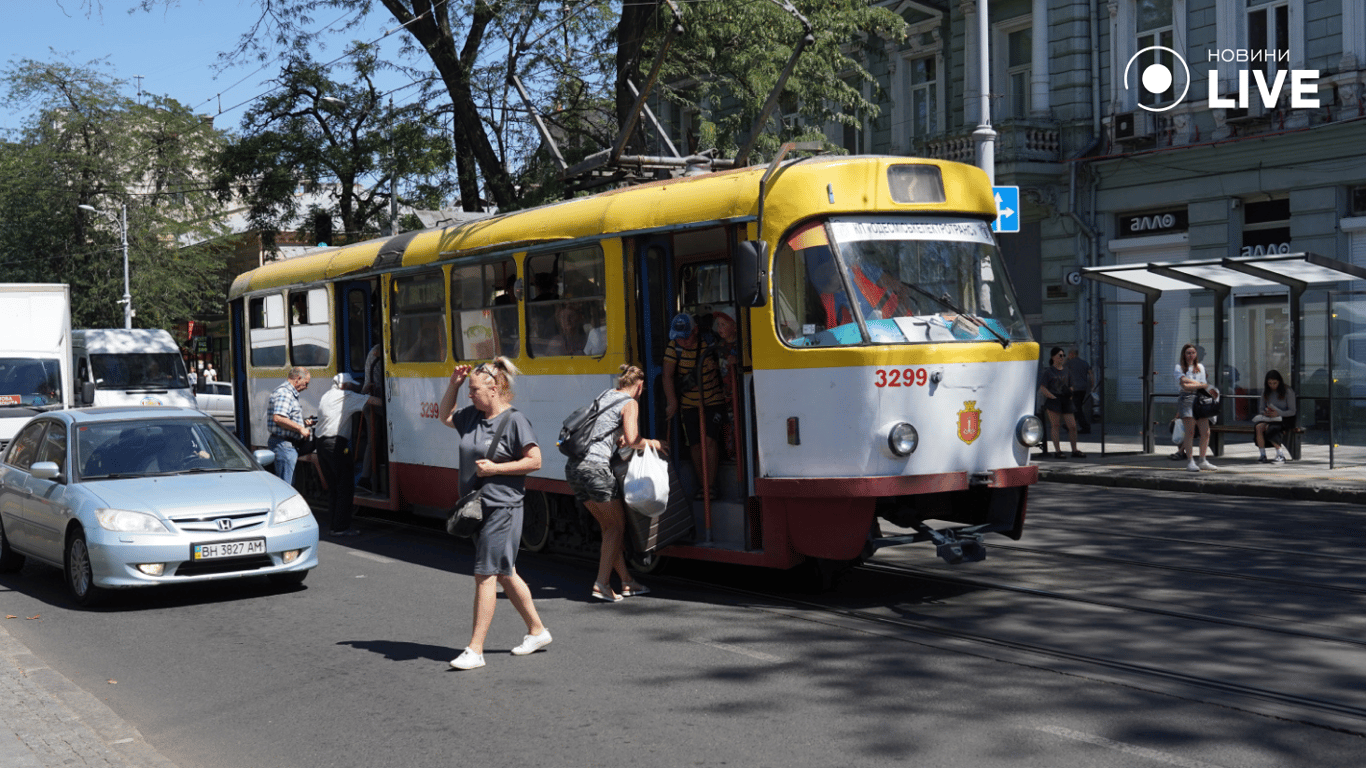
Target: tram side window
{"points": [[484, 311], [418, 324], [567, 316], [310, 334], [812, 305], [266, 323]]}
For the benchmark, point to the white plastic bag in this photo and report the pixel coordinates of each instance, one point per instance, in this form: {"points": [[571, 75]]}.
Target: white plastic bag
{"points": [[646, 485], [1178, 432]]}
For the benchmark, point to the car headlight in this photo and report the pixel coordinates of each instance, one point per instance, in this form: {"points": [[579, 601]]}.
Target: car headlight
{"points": [[902, 439], [1029, 431], [291, 508], [128, 521]]}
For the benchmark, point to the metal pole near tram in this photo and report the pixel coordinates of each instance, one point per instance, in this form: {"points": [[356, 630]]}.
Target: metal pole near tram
{"points": [[985, 134]]}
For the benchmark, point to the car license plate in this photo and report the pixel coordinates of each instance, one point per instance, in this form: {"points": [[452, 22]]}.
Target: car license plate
{"points": [[228, 549]]}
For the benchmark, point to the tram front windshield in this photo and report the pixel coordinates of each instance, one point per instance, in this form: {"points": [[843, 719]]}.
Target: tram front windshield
{"points": [[893, 280]]}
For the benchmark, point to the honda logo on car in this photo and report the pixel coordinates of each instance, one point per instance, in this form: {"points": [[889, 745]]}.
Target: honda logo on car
{"points": [[224, 523], [1158, 78]]}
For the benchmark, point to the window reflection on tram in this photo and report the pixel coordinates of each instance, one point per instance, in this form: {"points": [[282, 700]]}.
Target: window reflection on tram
{"points": [[908, 279]]}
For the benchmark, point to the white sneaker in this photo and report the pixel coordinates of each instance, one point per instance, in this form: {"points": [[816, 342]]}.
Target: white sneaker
{"points": [[1278, 460], [532, 643], [1204, 464], [468, 660], [1190, 466]]}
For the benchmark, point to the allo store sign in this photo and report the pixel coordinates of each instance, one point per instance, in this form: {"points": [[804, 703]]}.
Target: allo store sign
{"points": [[1157, 78]]}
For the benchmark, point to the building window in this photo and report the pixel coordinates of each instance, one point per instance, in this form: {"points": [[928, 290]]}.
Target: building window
{"points": [[1155, 27], [1012, 53], [922, 85], [852, 139], [1268, 30]]}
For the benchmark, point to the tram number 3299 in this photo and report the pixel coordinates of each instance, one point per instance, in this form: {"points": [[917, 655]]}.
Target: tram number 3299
{"points": [[900, 377]]}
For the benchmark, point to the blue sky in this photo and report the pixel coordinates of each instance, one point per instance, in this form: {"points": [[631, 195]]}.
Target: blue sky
{"points": [[174, 50]]}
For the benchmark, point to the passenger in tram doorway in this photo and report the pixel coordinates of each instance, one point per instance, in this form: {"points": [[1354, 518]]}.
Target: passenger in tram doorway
{"points": [[692, 380], [1190, 379], [1276, 417], [335, 452], [1056, 387], [1083, 380], [503, 479], [728, 357], [617, 426], [373, 385]]}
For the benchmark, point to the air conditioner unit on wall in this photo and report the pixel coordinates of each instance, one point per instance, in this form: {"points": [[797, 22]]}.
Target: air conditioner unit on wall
{"points": [[1133, 126]]}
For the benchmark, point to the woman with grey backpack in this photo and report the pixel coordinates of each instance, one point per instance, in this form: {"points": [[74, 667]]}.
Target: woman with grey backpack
{"points": [[590, 476]]}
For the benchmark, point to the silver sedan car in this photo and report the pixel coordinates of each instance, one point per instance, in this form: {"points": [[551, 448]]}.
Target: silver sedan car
{"points": [[139, 496]]}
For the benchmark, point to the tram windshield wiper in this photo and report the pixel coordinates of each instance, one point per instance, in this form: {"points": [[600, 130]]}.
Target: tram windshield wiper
{"points": [[949, 304]]}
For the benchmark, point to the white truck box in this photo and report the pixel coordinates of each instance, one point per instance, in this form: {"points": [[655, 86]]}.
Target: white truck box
{"points": [[35, 352]]}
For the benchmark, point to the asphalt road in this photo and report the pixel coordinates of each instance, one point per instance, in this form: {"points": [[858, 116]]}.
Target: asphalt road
{"points": [[352, 670]]}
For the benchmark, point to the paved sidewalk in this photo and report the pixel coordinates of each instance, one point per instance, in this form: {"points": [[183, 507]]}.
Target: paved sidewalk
{"points": [[46, 721], [1238, 473]]}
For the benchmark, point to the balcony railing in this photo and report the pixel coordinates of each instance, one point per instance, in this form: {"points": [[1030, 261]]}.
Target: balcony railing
{"points": [[1017, 141]]}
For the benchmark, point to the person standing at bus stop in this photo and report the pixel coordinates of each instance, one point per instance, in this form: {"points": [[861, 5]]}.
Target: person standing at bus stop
{"points": [[1083, 381], [285, 421]]}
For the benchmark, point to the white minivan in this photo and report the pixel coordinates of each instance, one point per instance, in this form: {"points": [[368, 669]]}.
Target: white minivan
{"points": [[135, 366]]}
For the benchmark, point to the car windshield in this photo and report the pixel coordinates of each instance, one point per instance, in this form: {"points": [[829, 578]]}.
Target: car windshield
{"points": [[909, 279], [28, 381], [140, 370], [117, 449]]}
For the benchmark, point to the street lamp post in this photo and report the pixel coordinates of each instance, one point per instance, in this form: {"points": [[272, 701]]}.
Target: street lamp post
{"points": [[123, 232]]}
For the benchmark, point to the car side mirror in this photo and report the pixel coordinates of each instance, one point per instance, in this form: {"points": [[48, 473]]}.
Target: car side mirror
{"points": [[87, 392], [751, 274], [46, 470], [263, 457]]}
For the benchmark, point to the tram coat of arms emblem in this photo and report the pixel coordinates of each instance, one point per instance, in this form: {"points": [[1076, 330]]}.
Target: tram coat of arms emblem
{"points": [[969, 422]]}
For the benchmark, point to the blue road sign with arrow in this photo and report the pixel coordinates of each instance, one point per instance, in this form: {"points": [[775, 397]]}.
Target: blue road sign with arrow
{"points": [[1007, 209]]}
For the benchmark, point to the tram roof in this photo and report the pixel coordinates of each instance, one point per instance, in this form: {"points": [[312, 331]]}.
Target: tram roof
{"points": [[730, 195]]}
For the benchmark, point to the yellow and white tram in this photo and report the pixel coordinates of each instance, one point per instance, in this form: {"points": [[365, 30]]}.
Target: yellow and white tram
{"points": [[885, 370]]}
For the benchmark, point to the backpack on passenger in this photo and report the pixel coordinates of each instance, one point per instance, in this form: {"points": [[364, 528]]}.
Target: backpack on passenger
{"points": [[576, 435]]}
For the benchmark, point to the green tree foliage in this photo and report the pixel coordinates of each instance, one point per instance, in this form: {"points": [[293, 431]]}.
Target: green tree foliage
{"points": [[730, 55], [86, 144], [339, 141]]}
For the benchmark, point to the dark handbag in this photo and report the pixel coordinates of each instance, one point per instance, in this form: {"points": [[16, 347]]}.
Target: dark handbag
{"points": [[621, 459], [467, 516], [1206, 405]]}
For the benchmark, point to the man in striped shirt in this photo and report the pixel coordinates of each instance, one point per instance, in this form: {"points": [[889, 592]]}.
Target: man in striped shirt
{"points": [[695, 388], [285, 421]]}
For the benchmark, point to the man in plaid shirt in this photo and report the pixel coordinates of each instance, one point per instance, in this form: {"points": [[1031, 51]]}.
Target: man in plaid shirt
{"points": [[285, 420]]}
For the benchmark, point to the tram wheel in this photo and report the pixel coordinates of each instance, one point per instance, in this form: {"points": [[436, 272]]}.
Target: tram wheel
{"points": [[649, 563], [536, 508]]}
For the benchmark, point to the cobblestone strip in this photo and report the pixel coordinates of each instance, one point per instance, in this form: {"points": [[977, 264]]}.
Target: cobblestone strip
{"points": [[46, 721]]}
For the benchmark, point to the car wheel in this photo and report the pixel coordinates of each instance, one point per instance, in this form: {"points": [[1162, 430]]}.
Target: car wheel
{"points": [[80, 575], [10, 561], [288, 579]]}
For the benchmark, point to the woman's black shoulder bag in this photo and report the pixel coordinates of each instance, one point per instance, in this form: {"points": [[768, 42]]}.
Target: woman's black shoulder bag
{"points": [[467, 516]]}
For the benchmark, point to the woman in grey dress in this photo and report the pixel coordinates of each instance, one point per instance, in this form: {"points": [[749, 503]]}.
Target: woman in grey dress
{"points": [[504, 482]]}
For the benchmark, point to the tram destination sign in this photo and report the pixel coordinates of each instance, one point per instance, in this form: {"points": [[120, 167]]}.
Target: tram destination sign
{"points": [[1152, 223]]}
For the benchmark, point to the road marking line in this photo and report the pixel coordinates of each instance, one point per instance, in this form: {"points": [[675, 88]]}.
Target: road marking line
{"points": [[761, 656], [1144, 752], [123, 741], [369, 556]]}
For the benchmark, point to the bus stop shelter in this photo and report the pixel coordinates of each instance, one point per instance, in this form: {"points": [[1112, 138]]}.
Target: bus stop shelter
{"points": [[1295, 271]]}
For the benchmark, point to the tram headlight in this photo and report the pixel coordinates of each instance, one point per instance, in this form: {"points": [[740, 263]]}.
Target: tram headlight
{"points": [[1029, 431], [902, 439]]}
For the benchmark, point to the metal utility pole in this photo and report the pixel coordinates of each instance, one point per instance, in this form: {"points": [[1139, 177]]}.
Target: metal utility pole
{"points": [[393, 174], [123, 231], [985, 135]]}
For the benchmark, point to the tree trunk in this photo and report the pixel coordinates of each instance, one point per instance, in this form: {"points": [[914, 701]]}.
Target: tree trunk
{"points": [[632, 31]]}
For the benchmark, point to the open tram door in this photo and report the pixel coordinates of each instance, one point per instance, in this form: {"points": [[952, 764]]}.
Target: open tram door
{"points": [[358, 314], [690, 271]]}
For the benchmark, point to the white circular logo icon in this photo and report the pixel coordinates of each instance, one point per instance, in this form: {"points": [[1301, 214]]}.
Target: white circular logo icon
{"points": [[1158, 78]]}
